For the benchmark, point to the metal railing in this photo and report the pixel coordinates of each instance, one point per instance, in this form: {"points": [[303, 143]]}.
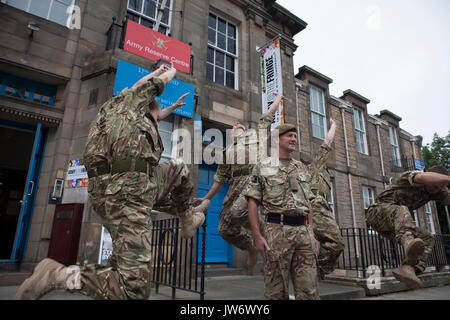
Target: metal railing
{"points": [[365, 248], [403, 164], [178, 263]]}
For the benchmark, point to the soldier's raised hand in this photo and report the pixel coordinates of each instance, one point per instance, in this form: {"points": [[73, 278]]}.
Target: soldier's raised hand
{"points": [[180, 102]]}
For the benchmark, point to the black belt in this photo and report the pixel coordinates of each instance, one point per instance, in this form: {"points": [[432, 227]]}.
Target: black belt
{"points": [[287, 220], [122, 166], [241, 172]]}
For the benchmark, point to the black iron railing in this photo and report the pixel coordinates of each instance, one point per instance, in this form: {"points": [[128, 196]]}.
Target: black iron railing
{"points": [[365, 248], [403, 164], [178, 263]]}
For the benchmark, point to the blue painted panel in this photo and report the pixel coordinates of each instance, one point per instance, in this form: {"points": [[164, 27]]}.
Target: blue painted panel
{"points": [[128, 74], [217, 249]]}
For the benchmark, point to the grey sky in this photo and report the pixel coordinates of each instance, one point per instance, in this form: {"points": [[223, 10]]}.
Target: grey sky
{"points": [[396, 53]]}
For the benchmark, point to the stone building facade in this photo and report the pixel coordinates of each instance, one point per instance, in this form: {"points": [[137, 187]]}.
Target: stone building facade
{"points": [[56, 72]]}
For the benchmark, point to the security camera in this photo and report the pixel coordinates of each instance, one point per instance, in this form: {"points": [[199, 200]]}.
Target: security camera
{"points": [[33, 26]]}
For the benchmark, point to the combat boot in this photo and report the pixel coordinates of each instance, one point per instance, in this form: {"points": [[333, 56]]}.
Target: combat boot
{"points": [[252, 259], [414, 248], [47, 276], [192, 219], [407, 275]]}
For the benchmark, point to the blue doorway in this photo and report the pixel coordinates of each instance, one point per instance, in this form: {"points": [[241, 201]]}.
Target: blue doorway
{"points": [[217, 249], [20, 199]]}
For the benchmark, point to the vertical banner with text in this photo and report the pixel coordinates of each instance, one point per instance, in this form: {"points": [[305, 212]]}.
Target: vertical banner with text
{"points": [[271, 78]]}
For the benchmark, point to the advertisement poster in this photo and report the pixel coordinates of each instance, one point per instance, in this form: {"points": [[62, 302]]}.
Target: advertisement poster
{"points": [[106, 247], [128, 74], [271, 78], [76, 175], [153, 45]]}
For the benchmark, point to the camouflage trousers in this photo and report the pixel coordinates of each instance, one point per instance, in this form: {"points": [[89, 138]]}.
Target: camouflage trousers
{"points": [[393, 222], [234, 225], [327, 232], [291, 257], [125, 209]]}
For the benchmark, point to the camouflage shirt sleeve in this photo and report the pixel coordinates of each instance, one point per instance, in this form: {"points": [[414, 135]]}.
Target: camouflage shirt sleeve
{"points": [[410, 175], [223, 173], [255, 186], [320, 160], [265, 121], [147, 91]]}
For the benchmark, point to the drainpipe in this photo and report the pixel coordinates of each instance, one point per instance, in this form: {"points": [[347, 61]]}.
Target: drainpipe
{"points": [[298, 85], [342, 107], [377, 125]]}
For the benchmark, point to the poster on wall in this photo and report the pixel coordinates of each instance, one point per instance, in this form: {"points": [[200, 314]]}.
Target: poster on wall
{"points": [[128, 74], [76, 175], [106, 247], [271, 78], [153, 45]]}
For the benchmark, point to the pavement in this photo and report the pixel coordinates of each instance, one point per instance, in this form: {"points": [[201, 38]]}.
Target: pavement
{"points": [[244, 287]]}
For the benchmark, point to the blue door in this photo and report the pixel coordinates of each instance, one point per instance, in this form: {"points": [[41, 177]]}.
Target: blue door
{"points": [[31, 186], [217, 249]]}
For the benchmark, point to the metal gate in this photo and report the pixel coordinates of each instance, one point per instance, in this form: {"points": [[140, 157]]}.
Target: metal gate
{"points": [[178, 263]]}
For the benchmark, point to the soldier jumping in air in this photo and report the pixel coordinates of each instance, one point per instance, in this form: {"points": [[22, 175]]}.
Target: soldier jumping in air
{"points": [[325, 227], [390, 216], [125, 182], [234, 225]]}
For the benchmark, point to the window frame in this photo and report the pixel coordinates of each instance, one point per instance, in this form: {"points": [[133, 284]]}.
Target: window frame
{"points": [[415, 218], [331, 201], [429, 215], [359, 119], [72, 2], [395, 148], [318, 112], [173, 119], [225, 52], [141, 15], [370, 198]]}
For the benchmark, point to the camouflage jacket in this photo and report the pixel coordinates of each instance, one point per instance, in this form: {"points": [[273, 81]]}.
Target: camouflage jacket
{"points": [[282, 189], [242, 145], [405, 192], [320, 177], [123, 128]]}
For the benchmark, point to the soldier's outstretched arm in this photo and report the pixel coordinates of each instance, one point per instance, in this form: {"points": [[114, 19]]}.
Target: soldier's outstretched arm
{"points": [[260, 242], [157, 73], [167, 111], [215, 188], [274, 106], [330, 134]]}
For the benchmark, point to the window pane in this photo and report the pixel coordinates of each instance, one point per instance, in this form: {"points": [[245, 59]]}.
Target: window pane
{"points": [[209, 72], [137, 4], [231, 31], [230, 63], [220, 59], [212, 22], [231, 45], [222, 26], [19, 4], [210, 55], [219, 76], [58, 13], [40, 8], [211, 36], [230, 80], [162, 29], [149, 9], [165, 17], [146, 23], [132, 17], [221, 42]]}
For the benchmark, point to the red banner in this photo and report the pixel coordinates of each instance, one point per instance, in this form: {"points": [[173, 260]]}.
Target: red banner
{"points": [[153, 45]]}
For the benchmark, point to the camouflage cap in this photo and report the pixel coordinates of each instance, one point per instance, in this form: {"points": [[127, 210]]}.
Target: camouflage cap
{"points": [[285, 127]]}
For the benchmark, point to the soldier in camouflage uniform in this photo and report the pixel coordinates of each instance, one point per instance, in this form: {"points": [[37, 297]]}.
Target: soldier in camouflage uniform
{"points": [[390, 216], [121, 156], [287, 247], [325, 227], [234, 226]]}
